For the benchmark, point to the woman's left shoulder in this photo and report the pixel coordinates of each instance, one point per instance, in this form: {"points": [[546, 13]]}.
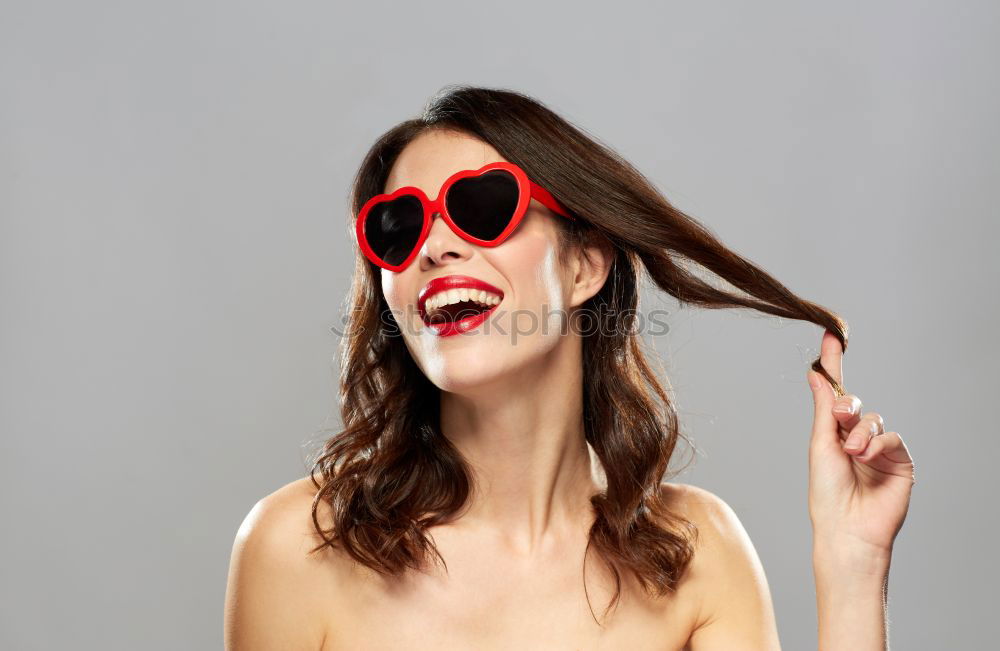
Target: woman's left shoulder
{"points": [[721, 541], [706, 509], [689, 498], [725, 556]]}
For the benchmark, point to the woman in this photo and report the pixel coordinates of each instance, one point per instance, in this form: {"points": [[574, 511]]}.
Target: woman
{"points": [[505, 445]]}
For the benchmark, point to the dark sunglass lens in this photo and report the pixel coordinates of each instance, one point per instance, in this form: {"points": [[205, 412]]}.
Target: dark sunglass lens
{"points": [[392, 228], [482, 206]]}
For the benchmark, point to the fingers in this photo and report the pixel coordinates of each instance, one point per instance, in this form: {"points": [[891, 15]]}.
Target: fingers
{"points": [[878, 445], [890, 446], [847, 412], [824, 428], [831, 356], [864, 433]]}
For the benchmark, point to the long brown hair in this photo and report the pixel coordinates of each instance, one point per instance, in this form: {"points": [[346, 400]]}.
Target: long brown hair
{"points": [[390, 473]]}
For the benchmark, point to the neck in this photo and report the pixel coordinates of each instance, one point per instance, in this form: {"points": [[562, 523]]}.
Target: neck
{"points": [[523, 437]]}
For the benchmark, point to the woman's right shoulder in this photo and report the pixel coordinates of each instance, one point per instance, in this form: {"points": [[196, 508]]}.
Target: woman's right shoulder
{"points": [[292, 496], [279, 593], [283, 519]]}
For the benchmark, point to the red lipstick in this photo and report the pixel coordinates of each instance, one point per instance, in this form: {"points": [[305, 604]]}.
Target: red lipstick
{"points": [[445, 283]]}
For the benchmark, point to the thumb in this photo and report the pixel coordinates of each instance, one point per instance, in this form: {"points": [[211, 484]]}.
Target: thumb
{"points": [[824, 428]]}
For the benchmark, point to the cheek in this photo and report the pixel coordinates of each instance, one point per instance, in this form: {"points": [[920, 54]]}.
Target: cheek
{"points": [[537, 277], [392, 290], [396, 291], [548, 278]]}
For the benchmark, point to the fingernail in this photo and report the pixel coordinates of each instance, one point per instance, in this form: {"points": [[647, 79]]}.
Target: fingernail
{"points": [[854, 441], [844, 408]]}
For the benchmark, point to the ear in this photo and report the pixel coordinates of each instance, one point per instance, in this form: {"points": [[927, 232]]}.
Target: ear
{"points": [[591, 264]]}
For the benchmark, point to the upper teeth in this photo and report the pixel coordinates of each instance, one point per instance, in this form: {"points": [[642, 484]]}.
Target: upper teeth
{"points": [[450, 296]]}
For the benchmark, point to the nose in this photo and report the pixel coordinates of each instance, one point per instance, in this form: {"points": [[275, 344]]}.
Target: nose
{"points": [[442, 245]]}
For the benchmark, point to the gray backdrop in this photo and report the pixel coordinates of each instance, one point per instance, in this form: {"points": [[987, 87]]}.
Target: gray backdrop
{"points": [[173, 185]]}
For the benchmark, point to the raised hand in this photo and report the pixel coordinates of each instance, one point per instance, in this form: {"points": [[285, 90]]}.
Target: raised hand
{"points": [[860, 476]]}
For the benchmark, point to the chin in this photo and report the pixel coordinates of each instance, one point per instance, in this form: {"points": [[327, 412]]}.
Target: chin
{"points": [[464, 378], [479, 362], [461, 369]]}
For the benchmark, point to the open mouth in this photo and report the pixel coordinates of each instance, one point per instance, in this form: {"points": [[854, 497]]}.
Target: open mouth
{"points": [[454, 312], [458, 318], [455, 304]]}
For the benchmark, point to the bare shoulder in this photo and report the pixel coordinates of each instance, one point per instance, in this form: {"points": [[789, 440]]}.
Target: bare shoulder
{"points": [[699, 503], [278, 591], [282, 521], [735, 607], [287, 502], [686, 496]]}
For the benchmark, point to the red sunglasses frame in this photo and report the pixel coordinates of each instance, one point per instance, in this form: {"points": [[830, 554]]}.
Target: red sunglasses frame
{"points": [[527, 190]]}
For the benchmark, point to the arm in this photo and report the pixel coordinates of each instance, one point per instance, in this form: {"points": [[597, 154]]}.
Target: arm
{"points": [[272, 593], [860, 481], [736, 612], [851, 597]]}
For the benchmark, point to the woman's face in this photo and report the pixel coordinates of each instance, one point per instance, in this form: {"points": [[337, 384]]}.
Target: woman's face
{"points": [[535, 290]]}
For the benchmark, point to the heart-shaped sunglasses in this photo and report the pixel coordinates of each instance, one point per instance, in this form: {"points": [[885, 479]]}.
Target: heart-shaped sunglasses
{"points": [[482, 206]]}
